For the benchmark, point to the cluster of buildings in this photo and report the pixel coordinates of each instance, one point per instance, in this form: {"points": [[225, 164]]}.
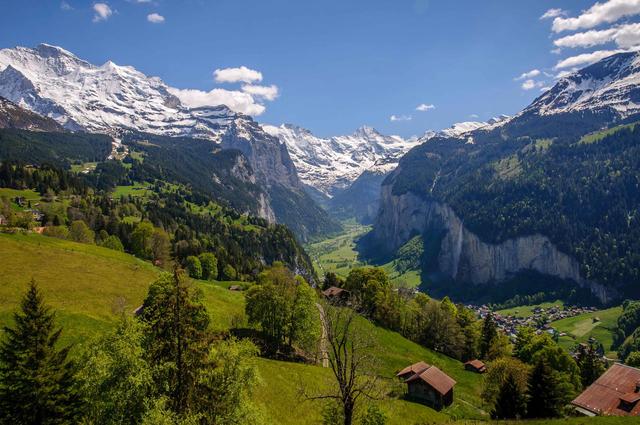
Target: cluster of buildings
{"points": [[539, 320]]}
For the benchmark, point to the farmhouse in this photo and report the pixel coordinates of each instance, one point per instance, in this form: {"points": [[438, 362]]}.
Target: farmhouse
{"points": [[476, 366], [428, 384], [3, 220], [615, 393], [336, 294]]}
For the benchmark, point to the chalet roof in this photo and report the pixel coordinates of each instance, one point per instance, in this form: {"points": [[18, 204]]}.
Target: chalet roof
{"points": [[436, 378], [413, 369], [477, 364], [333, 291], [618, 384]]}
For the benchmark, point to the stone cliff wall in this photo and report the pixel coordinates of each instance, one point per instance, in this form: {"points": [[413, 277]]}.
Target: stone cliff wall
{"points": [[463, 256]]}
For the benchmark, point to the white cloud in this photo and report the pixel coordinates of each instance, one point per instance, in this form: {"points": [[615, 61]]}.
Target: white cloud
{"points": [[423, 107], [264, 92], [394, 118], [585, 59], [565, 73], [65, 6], [624, 36], [102, 12], [531, 84], [237, 75], [236, 100], [553, 13], [155, 18], [474, 116], [600, 13], [527, 75]]}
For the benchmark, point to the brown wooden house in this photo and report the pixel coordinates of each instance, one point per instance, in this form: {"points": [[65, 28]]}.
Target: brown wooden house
{"points": [[335, 294], [476, 366], [427, 384], [615, 393]]}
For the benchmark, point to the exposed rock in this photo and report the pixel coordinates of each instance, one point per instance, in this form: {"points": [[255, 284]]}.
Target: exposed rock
{"points": [[463, 256]]}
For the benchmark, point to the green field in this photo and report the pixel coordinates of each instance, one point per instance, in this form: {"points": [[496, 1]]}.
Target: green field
{"points": [[527, 310], [581, 328], [599, 135], [338, 255], [137, 189]]}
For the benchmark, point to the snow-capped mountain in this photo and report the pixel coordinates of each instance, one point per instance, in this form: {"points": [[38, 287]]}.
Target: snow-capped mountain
{"points": [[109, 98], [462, 128], [611, 84], [55, 83], [331, 164], [13, 116]]}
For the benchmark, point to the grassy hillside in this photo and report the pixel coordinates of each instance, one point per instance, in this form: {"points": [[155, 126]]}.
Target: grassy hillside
{"points": [[86, 284], [581, 328]]}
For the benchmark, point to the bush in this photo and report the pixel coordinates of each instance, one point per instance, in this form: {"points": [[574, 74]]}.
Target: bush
{"points": [[194, 267], [113, 242], [60, 232], [80, 232], [209, 264]]}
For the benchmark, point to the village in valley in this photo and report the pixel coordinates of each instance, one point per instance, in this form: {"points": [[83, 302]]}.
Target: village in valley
{"points": [[540, 319]]}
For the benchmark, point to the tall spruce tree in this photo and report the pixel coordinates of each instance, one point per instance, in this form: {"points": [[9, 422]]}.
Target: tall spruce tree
{"points": [[511, 402], [176, 340], [36, 380], [545, 392], [590, 363], [489, 334]]}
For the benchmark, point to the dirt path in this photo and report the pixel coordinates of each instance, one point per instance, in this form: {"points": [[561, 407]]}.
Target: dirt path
{"points": [[324, 354]]}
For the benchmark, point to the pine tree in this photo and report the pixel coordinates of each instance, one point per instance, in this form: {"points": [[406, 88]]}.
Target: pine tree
{"points": [[511, 402], [590, 363], [36, 380], [177, 339], [489, 333], [545, 392]]}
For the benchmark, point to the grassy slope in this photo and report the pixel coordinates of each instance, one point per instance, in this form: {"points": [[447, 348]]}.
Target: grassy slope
{"points": [[83, 282], [581, 328]]}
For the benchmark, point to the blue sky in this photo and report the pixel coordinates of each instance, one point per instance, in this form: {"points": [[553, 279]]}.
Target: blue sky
{"points": [[336, 64]]}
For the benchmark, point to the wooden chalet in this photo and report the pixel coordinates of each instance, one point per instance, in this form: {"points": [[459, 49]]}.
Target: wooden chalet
{"points": [[476, 366], [336, 294], [428, 384], [615, 393]]}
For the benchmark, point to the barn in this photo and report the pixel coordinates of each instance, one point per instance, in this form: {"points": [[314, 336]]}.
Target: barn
{"points": [[427, 384]]}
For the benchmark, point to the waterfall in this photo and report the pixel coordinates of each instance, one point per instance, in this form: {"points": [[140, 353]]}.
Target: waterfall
{"points": [[458, 251]]}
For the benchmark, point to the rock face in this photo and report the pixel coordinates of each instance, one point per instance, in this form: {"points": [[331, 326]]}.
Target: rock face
{"points": [[13, 116], [463, 256]]}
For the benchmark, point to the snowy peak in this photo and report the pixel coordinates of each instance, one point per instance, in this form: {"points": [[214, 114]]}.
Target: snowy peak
{"points": [[331, 164], [55, 83], [610, 84]]}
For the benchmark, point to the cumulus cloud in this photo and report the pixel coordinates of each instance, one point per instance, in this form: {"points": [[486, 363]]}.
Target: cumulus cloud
{"points": [[400, 118], [102, 12], [585, 59], [237, 75], [264, 92], [553, 13], [624, 36], [236, 100], [423, 107], [531, 84], [600, 13], [155, 18], [528, 75]]}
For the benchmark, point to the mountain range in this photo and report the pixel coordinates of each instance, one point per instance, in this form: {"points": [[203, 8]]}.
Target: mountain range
{"points": [[80, 96]]}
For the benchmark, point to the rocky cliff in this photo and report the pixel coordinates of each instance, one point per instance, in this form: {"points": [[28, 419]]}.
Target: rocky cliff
{"points": [[463, 256]]}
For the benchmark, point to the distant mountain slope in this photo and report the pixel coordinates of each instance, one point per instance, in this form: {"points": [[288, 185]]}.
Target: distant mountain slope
{"points": [[111, 99], [13, 116], [530, 194]]}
